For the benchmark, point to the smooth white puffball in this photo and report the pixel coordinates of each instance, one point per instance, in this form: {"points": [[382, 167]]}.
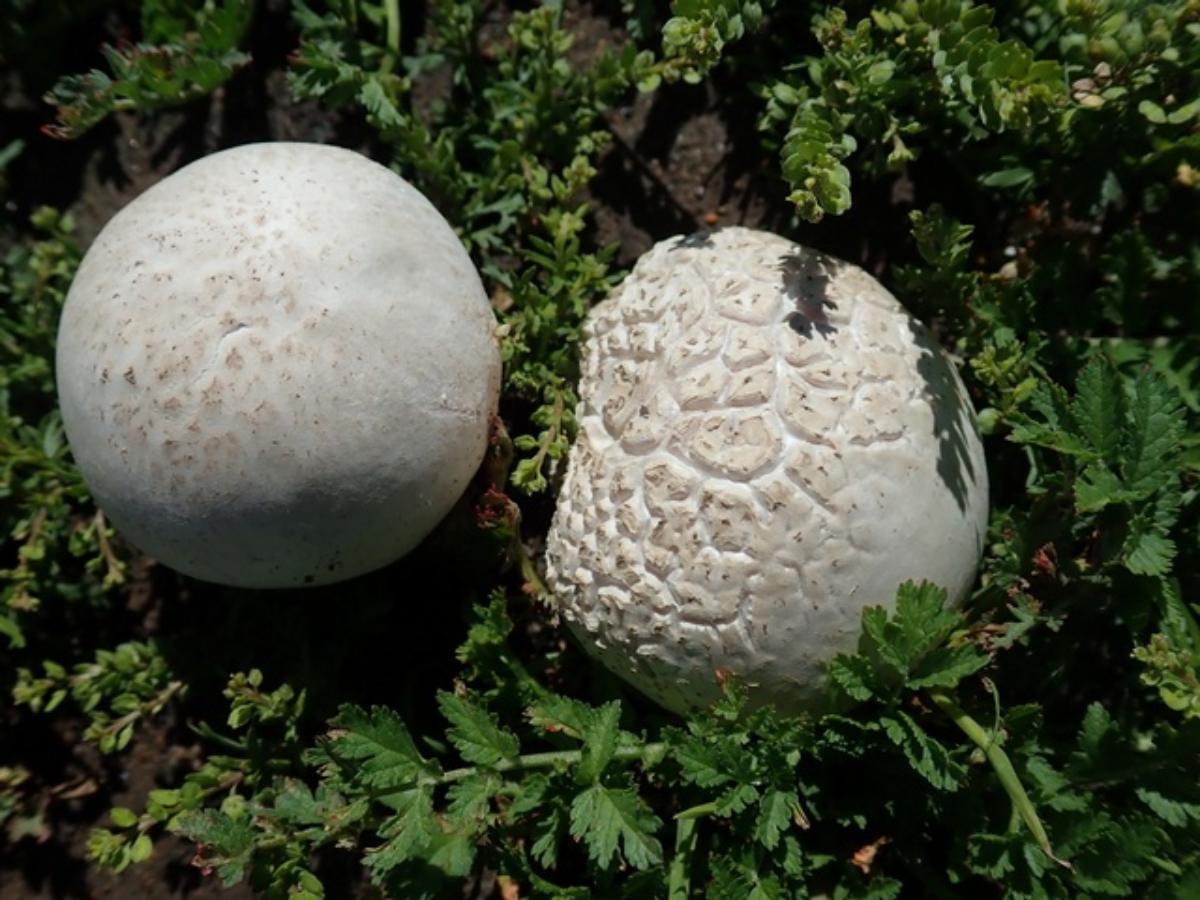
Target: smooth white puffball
{"points": [[277, 367], [767, 444]]}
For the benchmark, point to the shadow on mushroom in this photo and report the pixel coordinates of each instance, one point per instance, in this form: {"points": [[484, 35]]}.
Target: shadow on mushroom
{"points": [[951, 418], [807, 277]]}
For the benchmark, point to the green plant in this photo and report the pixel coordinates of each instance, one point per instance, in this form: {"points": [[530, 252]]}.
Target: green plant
{"points": [[116, 690], [187, 51], [46, 507], [1039, 743]]}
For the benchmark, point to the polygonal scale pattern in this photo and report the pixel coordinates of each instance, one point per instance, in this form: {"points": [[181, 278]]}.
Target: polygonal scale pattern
{"points": [[768, 443]]}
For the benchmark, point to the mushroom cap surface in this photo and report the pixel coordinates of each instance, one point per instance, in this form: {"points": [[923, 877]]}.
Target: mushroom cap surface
{"points": [[768, 443], [277, 367]]}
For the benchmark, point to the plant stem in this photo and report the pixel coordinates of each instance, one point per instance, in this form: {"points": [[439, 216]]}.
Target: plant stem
{"points": [[206, 731], [116, 570], [551, 432], [151, 707], [697, 811], [679, 878], [529, 571], [1003, 767], [392, 9], [547, 760]]}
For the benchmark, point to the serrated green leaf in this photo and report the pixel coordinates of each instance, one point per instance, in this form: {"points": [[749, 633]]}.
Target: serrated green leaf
{"points": [[379, 747], [1174, 812], [454, 853], [607, 817], [854, 675], [1056, 430], [1095, 731], [947, 666], [715, 761], [1148, 552], [1152, 442], [557, 714], [904, 640], [1097, 487], [777, 813], [736, 798], [549, 828], [296, 804], [599, 742], [475, 733], [924, 753], [228, 843], [1118, 858], [409, 833], [378, 103], [470, 799], [1098, 409]]}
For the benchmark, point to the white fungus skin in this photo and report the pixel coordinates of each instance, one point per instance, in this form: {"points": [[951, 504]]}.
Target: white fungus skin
{"points": [[767, 445], [277, 367]]}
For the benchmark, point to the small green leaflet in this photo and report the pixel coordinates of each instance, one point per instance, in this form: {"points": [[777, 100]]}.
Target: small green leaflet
{"points": [[908, 648], [776, 814], [599, 742], [228, 843], [604, 817], [1098, 410], [597, 727], [322, 811], [924, 753], [470, 799], [408, 833], [1156, 429], [1128, 433], [475, 733], [379, 746]]}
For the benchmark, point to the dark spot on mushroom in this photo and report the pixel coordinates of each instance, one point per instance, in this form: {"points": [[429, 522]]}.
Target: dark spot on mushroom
{"points": [[130, 377]]}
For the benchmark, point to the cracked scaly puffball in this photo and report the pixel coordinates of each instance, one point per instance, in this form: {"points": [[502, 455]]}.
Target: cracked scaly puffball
{"points": [[277, 367], [768, 443]]}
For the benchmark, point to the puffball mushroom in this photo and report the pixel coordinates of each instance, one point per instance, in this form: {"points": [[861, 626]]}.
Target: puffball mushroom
{"points": [[277, 367], [767, 444]]}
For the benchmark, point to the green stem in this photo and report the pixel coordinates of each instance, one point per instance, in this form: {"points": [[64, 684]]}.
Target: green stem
{"points": [[552, 431], [697, 811], [392, 9], [1165, 865], [679, 878], [206, 731], [550, 759], [1003, 767], [529, 572], [149, 708]]}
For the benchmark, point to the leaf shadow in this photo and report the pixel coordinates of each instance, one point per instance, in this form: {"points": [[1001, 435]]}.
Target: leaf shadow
{"points": [[807, 277], [951, 416]]}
